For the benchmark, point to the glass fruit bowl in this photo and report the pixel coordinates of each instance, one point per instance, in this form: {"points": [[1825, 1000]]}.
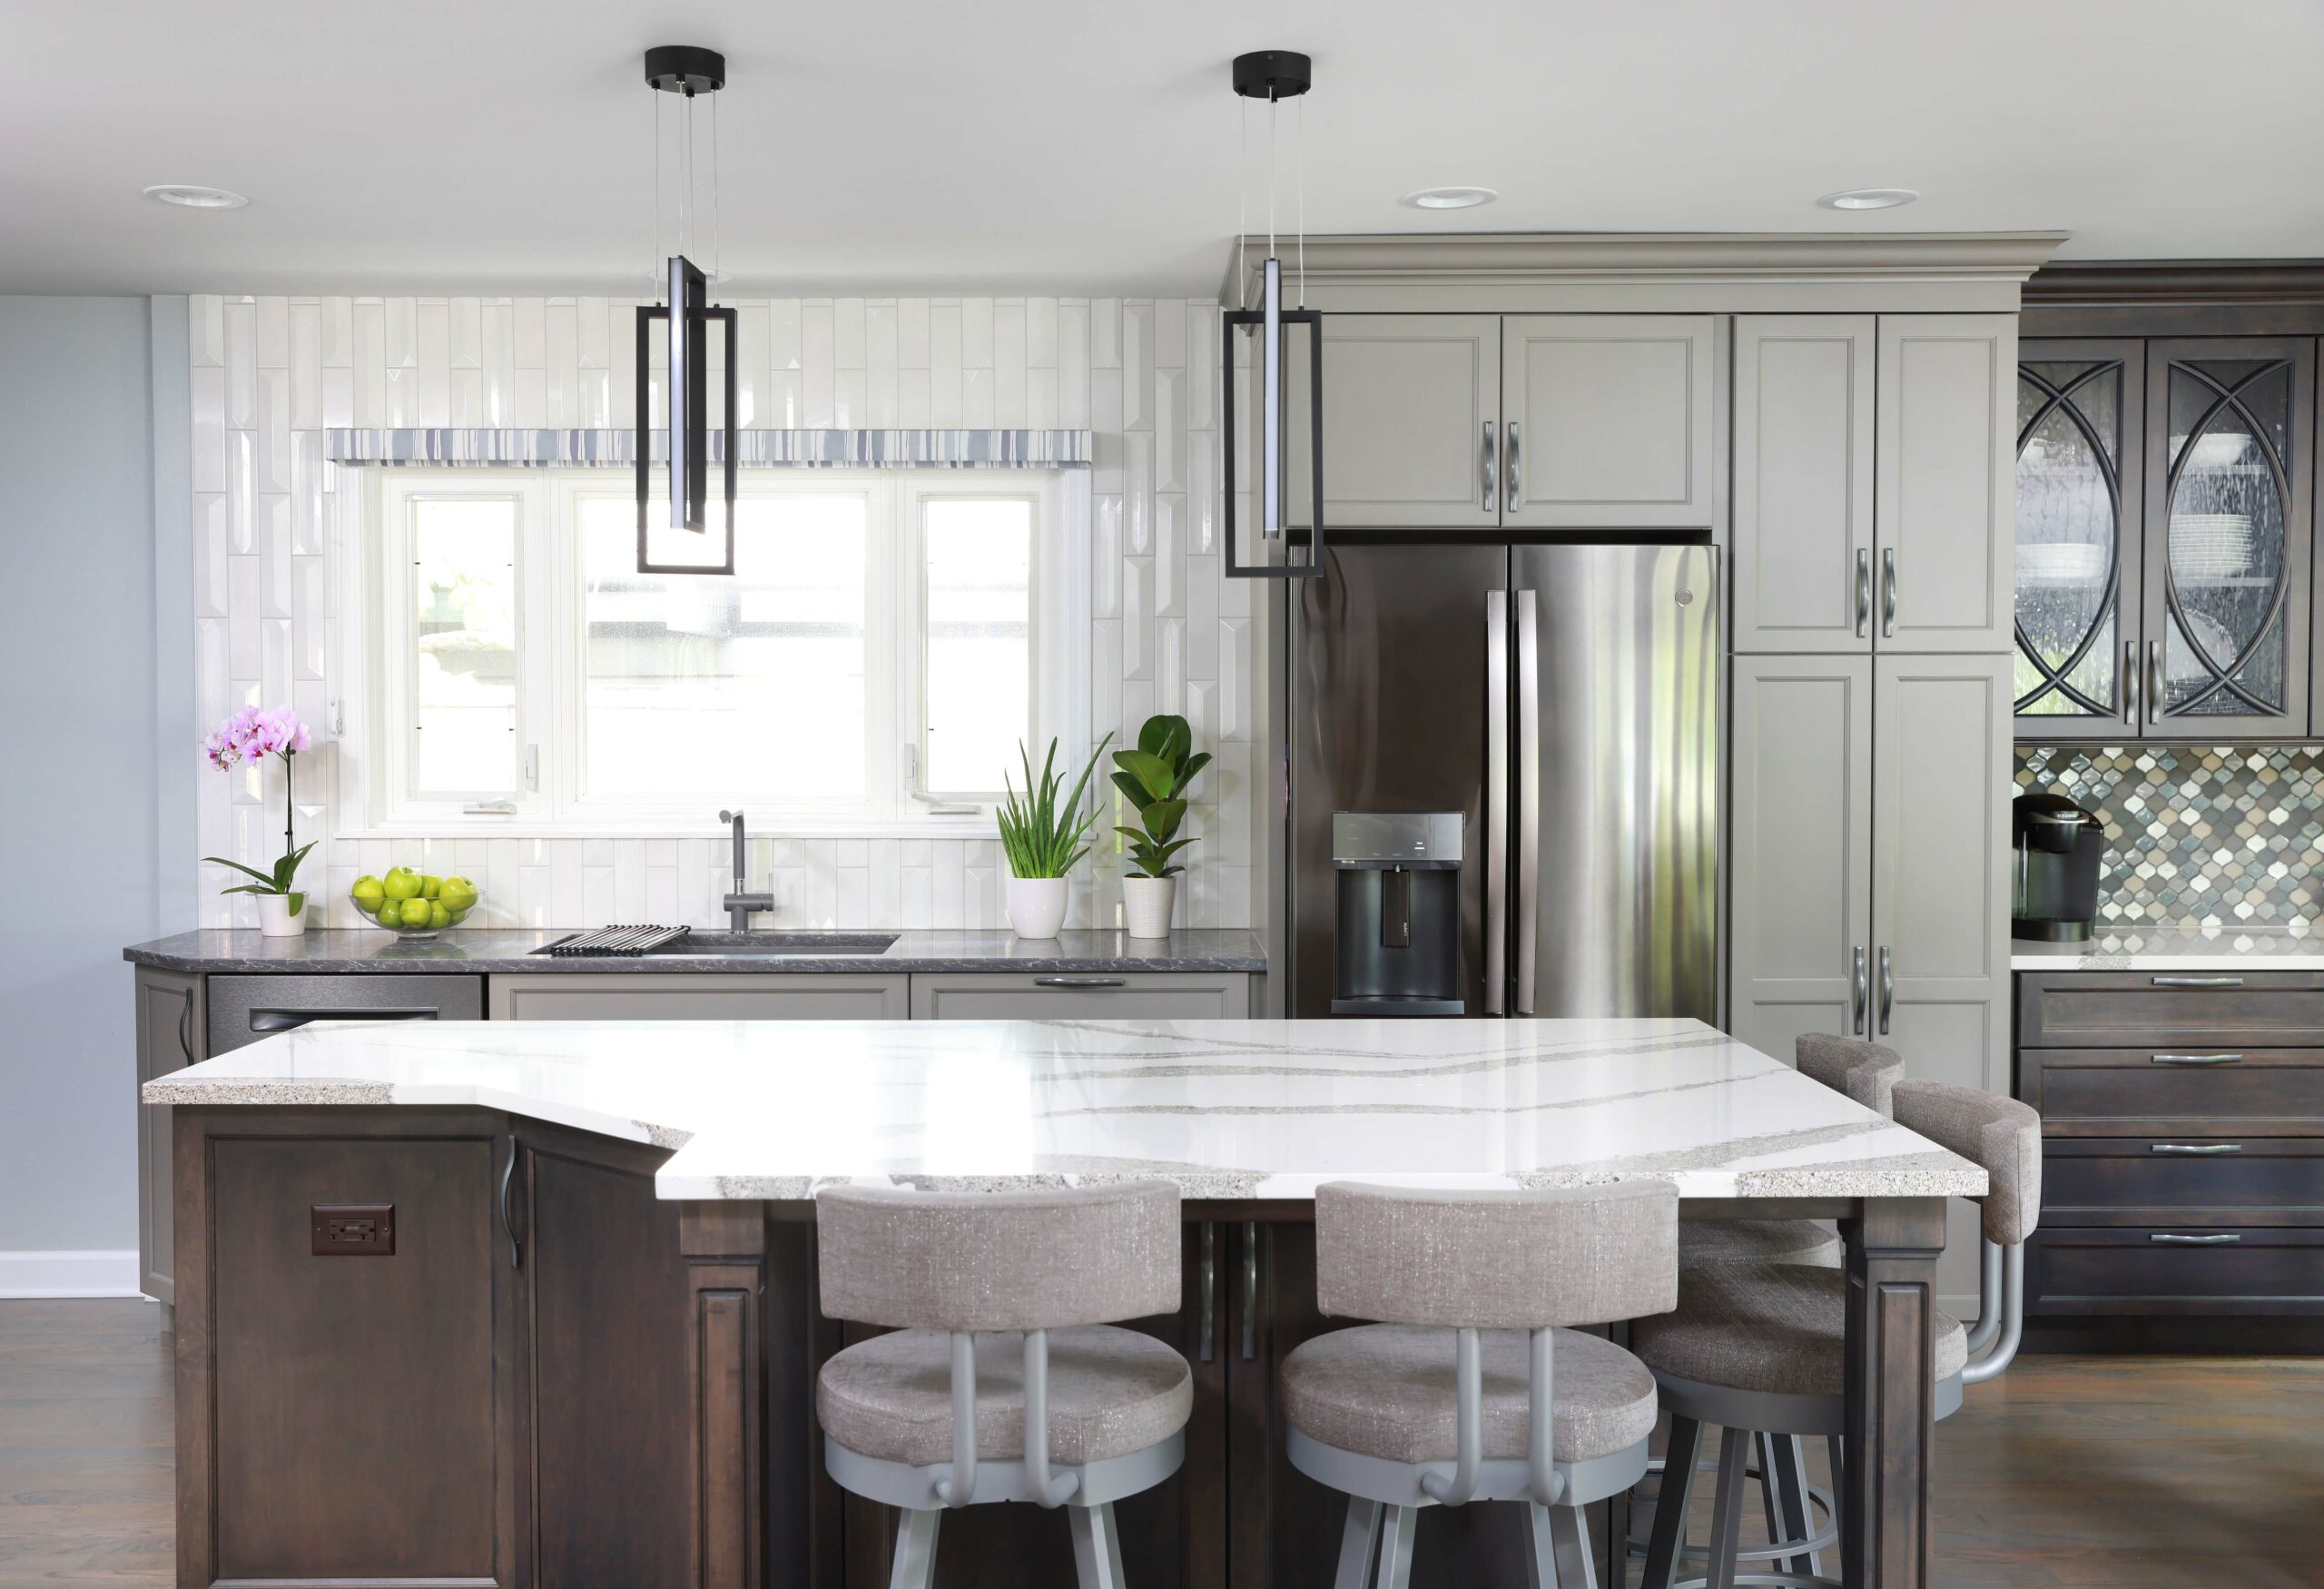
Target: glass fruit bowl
{"points": [[413, 905]]}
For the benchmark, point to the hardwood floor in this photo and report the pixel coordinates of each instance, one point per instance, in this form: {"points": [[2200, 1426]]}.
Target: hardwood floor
{"points": [[2077, 1472]]}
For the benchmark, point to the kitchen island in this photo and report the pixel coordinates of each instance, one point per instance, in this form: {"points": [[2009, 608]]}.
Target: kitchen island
{"points": [[542, 1294]]}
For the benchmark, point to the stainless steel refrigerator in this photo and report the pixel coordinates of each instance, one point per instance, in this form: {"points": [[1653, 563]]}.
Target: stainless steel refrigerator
{"points": [[1564, 700]]}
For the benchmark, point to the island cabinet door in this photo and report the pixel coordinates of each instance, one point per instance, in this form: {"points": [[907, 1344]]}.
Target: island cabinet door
{"points": [[607, 1330], [1174, 1536], [1284, 1527], [348, 1407], [170, 1033]]}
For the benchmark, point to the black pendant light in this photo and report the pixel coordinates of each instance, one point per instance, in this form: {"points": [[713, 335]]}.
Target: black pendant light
{"points": [[1273, 76], [705, 544]]}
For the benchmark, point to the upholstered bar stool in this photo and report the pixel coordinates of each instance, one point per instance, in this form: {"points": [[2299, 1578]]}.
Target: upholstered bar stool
{"points": [[1758, 1349], [1004, 1380], [1865, 1071], [1471, 1389]]}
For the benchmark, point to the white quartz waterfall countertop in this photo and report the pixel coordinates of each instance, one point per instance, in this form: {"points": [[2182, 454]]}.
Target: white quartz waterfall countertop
{"points": [[1225, 1109]]}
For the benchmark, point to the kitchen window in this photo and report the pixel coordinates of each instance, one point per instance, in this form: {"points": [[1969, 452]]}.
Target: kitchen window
{"points": [[884, 643]]}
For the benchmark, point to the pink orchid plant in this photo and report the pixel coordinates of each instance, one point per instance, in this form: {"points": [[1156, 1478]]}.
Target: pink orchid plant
{"points": [[250, 733]]}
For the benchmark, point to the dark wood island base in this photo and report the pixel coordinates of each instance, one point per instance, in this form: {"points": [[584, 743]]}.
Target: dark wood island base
{"points": [[513, 1365]]}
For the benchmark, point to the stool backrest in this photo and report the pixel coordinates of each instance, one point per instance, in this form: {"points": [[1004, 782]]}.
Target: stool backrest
{"points": [[2000, 1134], [1497, 1259], [1029, 1260], [1867, 1071]]}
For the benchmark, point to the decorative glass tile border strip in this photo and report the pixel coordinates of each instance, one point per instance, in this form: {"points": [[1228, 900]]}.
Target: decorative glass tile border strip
{"points": [[2197, 835], [548, 449]]}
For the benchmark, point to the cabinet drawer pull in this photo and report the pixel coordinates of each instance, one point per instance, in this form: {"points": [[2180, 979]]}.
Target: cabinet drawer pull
{"points": [[2195, 1149], [508, 1226], [2197, 981], [2168, 1239], [1250, 1291], [1081, 981], [1208, 1343], [2196, 1058]]}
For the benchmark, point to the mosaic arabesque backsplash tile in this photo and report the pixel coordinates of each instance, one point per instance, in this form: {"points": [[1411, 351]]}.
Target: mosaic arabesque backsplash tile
{"points": [[2197, 835]]}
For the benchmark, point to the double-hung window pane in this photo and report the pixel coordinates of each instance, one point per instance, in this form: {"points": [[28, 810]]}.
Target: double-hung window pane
{"points": [[464, 645], [977, 601], [694, 685]]}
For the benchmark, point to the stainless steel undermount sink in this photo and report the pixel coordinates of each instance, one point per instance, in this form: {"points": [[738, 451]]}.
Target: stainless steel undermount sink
{"points": [[768, 945]]}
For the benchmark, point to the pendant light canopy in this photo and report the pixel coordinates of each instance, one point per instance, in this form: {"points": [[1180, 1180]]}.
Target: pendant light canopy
{"points": [[1273, 76], [683, 536]]}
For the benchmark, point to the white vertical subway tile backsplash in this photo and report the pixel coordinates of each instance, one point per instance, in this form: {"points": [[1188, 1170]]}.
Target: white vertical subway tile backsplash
{"points": [[269, 374]]}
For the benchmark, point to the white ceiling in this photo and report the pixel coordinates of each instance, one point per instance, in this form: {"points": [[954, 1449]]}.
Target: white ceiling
{"points": [[1091, 145]]}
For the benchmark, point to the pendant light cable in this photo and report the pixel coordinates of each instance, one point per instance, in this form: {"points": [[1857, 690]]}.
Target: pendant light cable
{"points": [[718, 201], [1243, 208], [1299, 131], [654, 268], [1271, 178]]}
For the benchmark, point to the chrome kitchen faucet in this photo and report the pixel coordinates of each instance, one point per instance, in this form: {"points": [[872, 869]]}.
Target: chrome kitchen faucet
{"points": [[740, 903]]}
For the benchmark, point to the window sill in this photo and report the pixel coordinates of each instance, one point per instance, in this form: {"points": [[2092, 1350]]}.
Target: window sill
{"points": [[489, 827]]}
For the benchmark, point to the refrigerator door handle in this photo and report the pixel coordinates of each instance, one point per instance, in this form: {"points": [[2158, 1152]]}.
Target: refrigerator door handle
{"points": [[1529, 794], [1496, 799], [1488, 467]]}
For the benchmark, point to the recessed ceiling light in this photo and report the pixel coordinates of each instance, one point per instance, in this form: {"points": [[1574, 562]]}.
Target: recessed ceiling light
{"points": [[192, 196], [1449, 198], [1868, 199]]}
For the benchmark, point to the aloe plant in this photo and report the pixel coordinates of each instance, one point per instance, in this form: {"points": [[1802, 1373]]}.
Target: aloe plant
{"points": [[1154, 779], [1040, 834]]}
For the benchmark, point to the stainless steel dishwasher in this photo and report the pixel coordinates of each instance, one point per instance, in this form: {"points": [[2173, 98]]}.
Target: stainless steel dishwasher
{"points": [[243, 1010]]}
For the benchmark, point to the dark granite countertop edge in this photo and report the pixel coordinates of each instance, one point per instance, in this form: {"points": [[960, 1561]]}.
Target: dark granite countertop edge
{"points": [[1010, 956]]}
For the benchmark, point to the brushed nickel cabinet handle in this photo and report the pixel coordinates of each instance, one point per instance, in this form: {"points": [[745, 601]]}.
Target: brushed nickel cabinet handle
{"points": [[1516, 471], [1888, 593], [1250, 1291], [508, 1174], [2196, 981], [1863, 598], [185, 1026], [2195, 1149], [2157, 702], [1863, 988], [2169, 1239], [1887, 988], [1209, 1341], [2196, 1058], [1487, 470], [2130, 684]]}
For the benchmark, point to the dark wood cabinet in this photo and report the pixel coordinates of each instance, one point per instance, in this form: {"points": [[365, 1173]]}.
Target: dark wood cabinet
{"points": [[171, 1025]]}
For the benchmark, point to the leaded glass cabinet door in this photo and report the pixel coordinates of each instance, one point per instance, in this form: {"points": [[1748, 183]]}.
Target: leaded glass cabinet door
{"points": [[2078, 489], [2229, 428]]}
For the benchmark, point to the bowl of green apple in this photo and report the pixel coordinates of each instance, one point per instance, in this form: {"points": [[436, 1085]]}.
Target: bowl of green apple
{"points": [[414, 904]]}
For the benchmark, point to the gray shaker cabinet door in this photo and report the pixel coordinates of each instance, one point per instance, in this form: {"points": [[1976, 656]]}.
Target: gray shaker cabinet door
{"points": [[1803, 482], [1412, 404], [170, 1027], [1945, 487], [1801, 905], [699, 996], [1081, 996], [1607, 420]]}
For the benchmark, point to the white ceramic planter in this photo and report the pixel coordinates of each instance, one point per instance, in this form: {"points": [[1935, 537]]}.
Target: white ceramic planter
{"points": [[1037, 906], [1145, 905], [282, 915]]}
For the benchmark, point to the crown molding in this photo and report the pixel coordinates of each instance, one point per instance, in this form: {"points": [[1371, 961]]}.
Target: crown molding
{"points": [[2094, 283], [1676, 259]]}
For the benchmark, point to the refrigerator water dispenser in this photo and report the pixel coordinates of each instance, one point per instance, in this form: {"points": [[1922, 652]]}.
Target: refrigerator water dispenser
{"points": [[1397, 940]]}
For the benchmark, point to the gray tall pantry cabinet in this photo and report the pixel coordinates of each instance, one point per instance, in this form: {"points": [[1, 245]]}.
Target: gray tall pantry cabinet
{"points": [[1869, 737]]}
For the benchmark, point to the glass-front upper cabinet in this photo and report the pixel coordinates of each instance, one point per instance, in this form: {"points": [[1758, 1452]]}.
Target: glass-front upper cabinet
{"points": [[2229, 473], [2078, 490]]}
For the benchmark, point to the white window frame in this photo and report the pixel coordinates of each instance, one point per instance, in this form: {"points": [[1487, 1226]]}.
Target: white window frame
{"points": [[375, 753]]}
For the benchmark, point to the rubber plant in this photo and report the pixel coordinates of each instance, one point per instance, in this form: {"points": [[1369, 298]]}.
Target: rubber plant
{"points": [[1042, 835], [1153, 778]]}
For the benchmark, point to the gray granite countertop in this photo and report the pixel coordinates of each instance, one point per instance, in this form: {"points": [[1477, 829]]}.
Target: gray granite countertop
{"points": [[500, 950]]}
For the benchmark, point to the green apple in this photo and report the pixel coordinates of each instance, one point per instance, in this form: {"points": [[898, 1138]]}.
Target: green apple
{"points": [[430, 885], [458, 892], [401, 885], [458, 916], [367, 893], [414, 912], [390, 914], [437, 916]]}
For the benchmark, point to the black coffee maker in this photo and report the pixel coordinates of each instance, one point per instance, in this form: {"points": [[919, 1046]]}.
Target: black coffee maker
{"points": [[2054, 892]]}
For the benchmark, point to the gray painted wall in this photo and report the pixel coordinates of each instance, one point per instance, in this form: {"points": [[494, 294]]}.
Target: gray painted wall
{"points": [[80, 809]]}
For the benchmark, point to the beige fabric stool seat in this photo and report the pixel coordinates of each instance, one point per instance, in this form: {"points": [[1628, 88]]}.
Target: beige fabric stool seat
{"points": [[1003, 1380], [1111, 1392], [1710, 1243], [1779, 1329], [1390, 1390]]}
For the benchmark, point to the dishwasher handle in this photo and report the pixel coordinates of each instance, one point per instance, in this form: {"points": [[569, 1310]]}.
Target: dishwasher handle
{"points": [[1081, 981], [280, 1019]]}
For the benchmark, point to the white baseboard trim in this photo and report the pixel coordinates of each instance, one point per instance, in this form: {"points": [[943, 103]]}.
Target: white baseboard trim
{"points": [[68, 1274]]}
